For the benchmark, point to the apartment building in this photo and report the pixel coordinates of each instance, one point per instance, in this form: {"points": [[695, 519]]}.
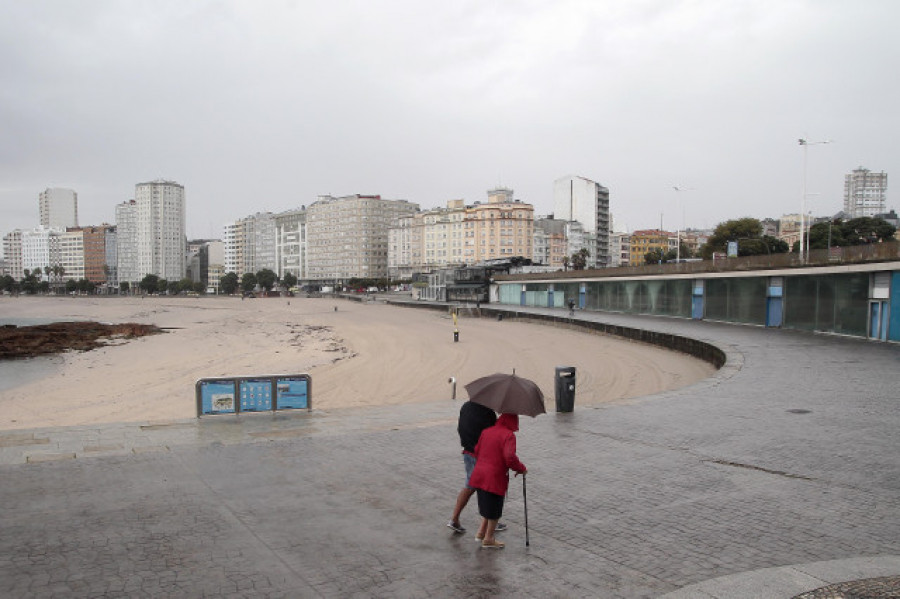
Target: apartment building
{"points": [[12, 254], [160, 225], [40, 248], [58, 208], [647, 240], [290, 243], [71, 254], [580, 199], [250, 244], [347, 237], [501, 228], [428, 240], [865, 193], [127, 244]]}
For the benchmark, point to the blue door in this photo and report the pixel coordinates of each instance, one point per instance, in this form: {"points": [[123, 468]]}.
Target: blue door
{"points": [[582, 296], [875, 320], [774, 311], [697, 307]]}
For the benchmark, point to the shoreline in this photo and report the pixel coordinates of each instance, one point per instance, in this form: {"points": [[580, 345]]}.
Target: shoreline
{"points": [[358, 355]]}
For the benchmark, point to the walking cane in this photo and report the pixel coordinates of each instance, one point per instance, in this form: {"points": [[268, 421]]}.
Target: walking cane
{"points": [[525, 501]]}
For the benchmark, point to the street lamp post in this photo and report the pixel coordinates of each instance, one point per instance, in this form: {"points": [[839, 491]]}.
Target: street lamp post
{"points": [[678, 233], [805, 143]]}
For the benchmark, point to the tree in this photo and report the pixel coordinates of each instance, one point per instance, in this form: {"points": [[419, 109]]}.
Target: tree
{"points": [[85, 286], [859, 231], [71, 286], [184, 285], [124, 287], [8, 284], [248, 282], [289, 280], [656, 256], [199, 288], [150, 284], [266, 279], [162, 285], [228, 283], [731, 230], [29, 283], [579, 259]]}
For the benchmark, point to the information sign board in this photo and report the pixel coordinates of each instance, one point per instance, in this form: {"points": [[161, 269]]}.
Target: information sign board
{"points": [[262, 393], [216, 396], [292, 393], [256, 395]]}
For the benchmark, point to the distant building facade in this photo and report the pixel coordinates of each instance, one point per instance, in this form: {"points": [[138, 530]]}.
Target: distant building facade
{"points": [[645, 241], [501, 229], [12, 254], [290, 243], [347, 237], [127, 244], [250, 244], [40, 248], [58, 208], [580, 199], [160, 224], [865, 193]]}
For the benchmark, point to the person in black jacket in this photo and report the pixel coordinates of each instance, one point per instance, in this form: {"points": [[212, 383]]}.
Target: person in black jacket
{"points": [[473, 418]]}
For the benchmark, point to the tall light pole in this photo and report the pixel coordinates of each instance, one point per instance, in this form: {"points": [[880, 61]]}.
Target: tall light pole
{"points": [[805, 143], [678, 233]]}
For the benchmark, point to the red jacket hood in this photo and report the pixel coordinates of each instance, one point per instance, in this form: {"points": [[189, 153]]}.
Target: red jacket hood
{"points": [[510, 421]]}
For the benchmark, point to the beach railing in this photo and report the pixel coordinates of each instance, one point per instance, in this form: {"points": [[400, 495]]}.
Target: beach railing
{"points": [[256, 393]]}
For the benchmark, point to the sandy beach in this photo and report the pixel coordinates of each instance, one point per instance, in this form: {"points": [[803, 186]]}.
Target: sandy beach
{"points": [[361, 354]]}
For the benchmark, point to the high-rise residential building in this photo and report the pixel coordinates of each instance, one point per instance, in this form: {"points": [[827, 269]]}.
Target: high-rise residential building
{"points": [[865, 193], [58, 208], [290, 243], [71, 253], [250, 244], [127, 244], [160, 226], [405, 248], [96, 269], [12, 254], [40, 248], [112, 258], [585, 201], [347, 237], [501, 229]]}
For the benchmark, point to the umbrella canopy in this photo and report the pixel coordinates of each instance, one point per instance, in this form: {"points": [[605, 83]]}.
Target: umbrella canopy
{"points": [[507, 394]]}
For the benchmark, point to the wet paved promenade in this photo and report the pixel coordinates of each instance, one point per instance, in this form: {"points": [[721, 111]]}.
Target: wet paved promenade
{"points": [[777, 476]]}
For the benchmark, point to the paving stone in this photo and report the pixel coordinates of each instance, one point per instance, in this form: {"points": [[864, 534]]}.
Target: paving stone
{"points": [[700, 489]]}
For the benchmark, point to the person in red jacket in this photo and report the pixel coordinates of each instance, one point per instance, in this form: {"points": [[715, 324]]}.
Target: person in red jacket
{"points": [[496, 456]]}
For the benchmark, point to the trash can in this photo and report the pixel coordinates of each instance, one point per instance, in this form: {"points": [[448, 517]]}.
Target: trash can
{"points": [[565, 388]]}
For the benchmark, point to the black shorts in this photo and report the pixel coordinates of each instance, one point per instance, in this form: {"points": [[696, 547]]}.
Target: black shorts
{"points": [[490, 505]]}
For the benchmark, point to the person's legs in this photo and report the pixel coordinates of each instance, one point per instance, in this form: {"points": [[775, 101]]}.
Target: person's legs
{"points": [[491, 507], [462, 499], [482, 529], [489, 539]]}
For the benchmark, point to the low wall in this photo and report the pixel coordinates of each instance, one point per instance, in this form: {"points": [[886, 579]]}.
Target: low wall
{"points": [[693, 347]]}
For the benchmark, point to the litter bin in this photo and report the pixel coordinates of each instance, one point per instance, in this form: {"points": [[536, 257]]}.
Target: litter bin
{"points": [[565, 388]]}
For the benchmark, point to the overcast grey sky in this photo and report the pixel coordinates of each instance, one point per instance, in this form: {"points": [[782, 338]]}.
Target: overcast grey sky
{"points": [[263, 105]]}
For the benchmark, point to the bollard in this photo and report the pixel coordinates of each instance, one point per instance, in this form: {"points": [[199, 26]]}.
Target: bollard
{"points": [[456, 336], [452, 382]]}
